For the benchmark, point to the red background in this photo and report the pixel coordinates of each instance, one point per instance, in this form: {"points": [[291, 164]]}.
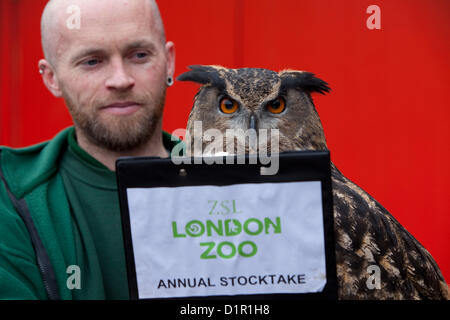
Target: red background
{"points": [[386, 120]]}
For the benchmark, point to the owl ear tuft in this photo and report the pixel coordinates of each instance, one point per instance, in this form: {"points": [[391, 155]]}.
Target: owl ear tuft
{"points": [[205, 75], [303, 80]]}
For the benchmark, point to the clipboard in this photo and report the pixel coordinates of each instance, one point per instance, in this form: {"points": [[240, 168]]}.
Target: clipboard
{"points": [[168, 228]]}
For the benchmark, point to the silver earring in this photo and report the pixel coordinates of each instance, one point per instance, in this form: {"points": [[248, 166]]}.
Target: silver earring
{"points": [[41, 71], [169, 81]]}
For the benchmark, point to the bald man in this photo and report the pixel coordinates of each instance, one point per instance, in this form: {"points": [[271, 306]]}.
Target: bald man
{"points": [[60, 224]]}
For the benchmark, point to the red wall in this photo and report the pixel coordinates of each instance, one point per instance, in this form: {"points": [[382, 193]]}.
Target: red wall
{"points": [[386, 120]]}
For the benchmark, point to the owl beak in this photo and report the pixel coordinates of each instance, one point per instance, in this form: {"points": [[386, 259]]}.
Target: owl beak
{"points": [[253, 123]]}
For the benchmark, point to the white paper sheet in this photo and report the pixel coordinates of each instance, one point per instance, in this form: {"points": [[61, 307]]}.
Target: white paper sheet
{"points": [[275, 240]]}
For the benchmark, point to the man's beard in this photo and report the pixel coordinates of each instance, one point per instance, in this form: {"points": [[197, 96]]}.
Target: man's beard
{"points": [[118, 133]]}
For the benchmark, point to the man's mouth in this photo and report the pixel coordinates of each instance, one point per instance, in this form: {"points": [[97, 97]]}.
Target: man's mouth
{"points": [[121, 108]]}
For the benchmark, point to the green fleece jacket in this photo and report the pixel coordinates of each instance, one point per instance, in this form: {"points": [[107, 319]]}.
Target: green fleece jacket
{"points": [[33, 174]]}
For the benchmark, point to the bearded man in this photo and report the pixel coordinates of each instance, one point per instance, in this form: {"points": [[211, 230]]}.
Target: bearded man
{"points": [[60, 226]]}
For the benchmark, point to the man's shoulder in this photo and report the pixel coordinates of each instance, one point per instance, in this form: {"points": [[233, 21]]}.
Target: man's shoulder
{"points": [[24, 168], [32, 150]]}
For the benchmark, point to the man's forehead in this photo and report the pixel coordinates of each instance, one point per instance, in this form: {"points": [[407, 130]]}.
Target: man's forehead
{"points": [[118, 33]]}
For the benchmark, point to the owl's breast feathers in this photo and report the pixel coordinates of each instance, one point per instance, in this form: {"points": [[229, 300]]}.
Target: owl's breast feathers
{"points": [[367, 235]]}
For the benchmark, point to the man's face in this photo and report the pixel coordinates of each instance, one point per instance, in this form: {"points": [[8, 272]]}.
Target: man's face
{"points": [[112, 73]]}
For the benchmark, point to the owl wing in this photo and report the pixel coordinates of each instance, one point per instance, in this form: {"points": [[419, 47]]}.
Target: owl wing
{"points": [[368, 235]]}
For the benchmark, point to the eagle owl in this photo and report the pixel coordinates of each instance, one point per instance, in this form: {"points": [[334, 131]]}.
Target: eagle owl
{"points": [[366, 234]]}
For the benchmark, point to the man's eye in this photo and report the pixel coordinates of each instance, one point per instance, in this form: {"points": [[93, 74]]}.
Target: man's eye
{"points": [[140, 55], [91, 62]]}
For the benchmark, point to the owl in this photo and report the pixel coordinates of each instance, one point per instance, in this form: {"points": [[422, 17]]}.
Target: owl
{"points": [[366, 234]]}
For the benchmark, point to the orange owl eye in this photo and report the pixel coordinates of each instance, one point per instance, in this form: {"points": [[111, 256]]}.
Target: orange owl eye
{"points": [[277, 106], [228, 106]]}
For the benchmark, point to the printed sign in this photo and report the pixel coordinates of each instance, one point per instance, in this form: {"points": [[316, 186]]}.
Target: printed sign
{"points": [[262, 238]]}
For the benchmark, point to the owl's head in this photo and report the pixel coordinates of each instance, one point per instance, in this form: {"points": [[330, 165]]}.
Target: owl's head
{"points": [[251, 98]]}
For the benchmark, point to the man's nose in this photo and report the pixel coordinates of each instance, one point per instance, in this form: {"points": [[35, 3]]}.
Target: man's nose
{"points": [[119, 78]]}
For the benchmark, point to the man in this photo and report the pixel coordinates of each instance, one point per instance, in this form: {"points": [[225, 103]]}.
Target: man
{"points": [[60, 227]]}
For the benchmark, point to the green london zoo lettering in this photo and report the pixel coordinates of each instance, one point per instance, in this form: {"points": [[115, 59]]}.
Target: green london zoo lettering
{"points": [[229, 228], [250, 251]]}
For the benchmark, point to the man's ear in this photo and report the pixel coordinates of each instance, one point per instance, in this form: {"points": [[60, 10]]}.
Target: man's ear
{"points": [[49, 77], [170, 56]]}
